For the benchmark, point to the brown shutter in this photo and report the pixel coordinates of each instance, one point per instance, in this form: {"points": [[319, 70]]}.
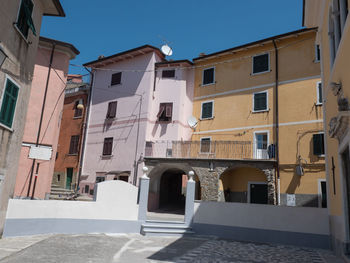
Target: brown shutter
{"points": [[107, 146], [74, 143], [169, 110], [113, 109], [161, 109]]}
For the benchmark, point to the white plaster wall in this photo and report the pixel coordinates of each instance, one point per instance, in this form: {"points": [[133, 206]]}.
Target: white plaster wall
{"points": [[115, 200], [179, 91], [124, 127], [268, 217]]}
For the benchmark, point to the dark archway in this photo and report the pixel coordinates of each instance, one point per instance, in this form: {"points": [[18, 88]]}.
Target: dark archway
{"points": [[172, 190]]}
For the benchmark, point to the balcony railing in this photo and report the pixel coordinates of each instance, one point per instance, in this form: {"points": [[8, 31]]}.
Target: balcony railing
{"points": [[237, 150]]}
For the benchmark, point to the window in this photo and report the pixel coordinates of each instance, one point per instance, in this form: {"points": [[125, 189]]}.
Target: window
{"points": [[260, 101], [107, 146], [9, 101], [208, 76], [318, 144], [78, 112], [74, 144], [205, 145], [116, 78], [261, 63], [100, 179], [261, 140], [168, 73], [87, 188], [207, 110], [112, 110], [24, 20], [317, 53], [319, 93], [165, 112]]}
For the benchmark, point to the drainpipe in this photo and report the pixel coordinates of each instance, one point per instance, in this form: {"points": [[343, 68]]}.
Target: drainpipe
{"points": [[87, 114], [277, 123], [136, 163], [40, 123]]}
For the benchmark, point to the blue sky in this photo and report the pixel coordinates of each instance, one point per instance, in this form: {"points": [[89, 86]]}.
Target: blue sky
{"points": [[190, 26]]}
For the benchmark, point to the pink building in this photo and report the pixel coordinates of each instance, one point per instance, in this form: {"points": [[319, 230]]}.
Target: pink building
{"points": [[137, 98], [44, 110]]}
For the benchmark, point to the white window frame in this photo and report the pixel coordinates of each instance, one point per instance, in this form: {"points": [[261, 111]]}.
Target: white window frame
{"points": [[317, 59], [269, 64], [267, 101], [248, 192], [212, 110], [214, 80], [1, 100], [200, 145], [255, 143], [318, 93], [15, 24], [319, 196]]}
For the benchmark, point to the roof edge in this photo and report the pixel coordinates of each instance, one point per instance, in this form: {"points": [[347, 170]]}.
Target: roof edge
{"points": [[174, 62], [256, 42], [59, 8], [60, 43], [123, 53]]}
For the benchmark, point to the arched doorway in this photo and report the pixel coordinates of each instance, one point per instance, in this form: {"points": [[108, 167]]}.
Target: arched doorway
{"points": [[245, 185], [172, 190]]}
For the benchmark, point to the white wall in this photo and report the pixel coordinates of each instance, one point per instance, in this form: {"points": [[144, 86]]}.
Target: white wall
{"points": [[292, 219], [115, 200]]}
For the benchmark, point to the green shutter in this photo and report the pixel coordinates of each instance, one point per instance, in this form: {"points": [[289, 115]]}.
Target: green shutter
{"points": [[8, 103], [207, 110], [260, 101]]}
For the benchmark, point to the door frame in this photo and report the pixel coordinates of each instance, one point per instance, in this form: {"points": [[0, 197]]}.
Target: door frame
{"points": [[248, 192], [255, 141]]}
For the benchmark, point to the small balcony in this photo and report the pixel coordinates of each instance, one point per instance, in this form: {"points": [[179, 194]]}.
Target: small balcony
{"points": [[232, 150]]}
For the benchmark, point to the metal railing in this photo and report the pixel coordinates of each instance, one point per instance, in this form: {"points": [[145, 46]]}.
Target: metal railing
{"points": [[237, 150]]}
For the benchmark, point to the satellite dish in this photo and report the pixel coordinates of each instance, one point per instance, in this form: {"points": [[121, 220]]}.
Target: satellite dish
{"points": [[167, 50], [192, 122]]}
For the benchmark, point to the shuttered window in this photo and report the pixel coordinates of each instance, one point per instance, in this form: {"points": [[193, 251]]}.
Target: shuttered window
{"points": [[74, 144], [8, 105], [168, 73], [78, 112], [205, 145], [319, 93], [116, 78], [107, 146], [24, 20], [261, 63], [207, 110], [318, 144], [112, 110], [165, 112], [208, 76], [260, 101]]}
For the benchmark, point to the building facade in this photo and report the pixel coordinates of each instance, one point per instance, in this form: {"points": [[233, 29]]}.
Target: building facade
{"points": [[72, 131], [43, 119], [333, 38], [20, 24], [263, 101]]}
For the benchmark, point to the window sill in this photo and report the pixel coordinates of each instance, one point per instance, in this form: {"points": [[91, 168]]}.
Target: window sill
{"points": [[318, 104], [204, 85], [106, 156], [6, 127], [72, 154], [259, 73], [259, 111], [317, 61], [78, 117], [111, 86], [21, 34], [204, 119], [321, 155]]}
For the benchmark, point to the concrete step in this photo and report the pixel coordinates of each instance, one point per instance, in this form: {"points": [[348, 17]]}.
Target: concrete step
{"points": [[165, 228]]}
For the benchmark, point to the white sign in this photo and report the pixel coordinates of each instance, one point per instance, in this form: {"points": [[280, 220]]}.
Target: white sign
{"points": [[290, 200], [40, 152]]}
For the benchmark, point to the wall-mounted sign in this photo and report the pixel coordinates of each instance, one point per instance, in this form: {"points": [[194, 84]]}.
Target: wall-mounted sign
{"points": [[40, 152], [290, 200]]}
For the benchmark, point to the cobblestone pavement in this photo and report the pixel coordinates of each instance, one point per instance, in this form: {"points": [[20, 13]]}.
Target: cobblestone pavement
{"points": [[136, 249]]}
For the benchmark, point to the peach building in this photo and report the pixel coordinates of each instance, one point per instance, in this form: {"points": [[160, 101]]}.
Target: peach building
{"points": [[43, 119]]}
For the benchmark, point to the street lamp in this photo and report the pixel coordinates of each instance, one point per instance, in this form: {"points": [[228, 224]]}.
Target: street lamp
{"points": [[3, 56]]}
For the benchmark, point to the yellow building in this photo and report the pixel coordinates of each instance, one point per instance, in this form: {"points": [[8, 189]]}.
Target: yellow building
{"points": [[259, 101], [332, 19]]}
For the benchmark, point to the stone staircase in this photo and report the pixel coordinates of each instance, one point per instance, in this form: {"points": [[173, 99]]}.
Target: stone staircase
{"points": [[58, 193], [165, 228]]}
